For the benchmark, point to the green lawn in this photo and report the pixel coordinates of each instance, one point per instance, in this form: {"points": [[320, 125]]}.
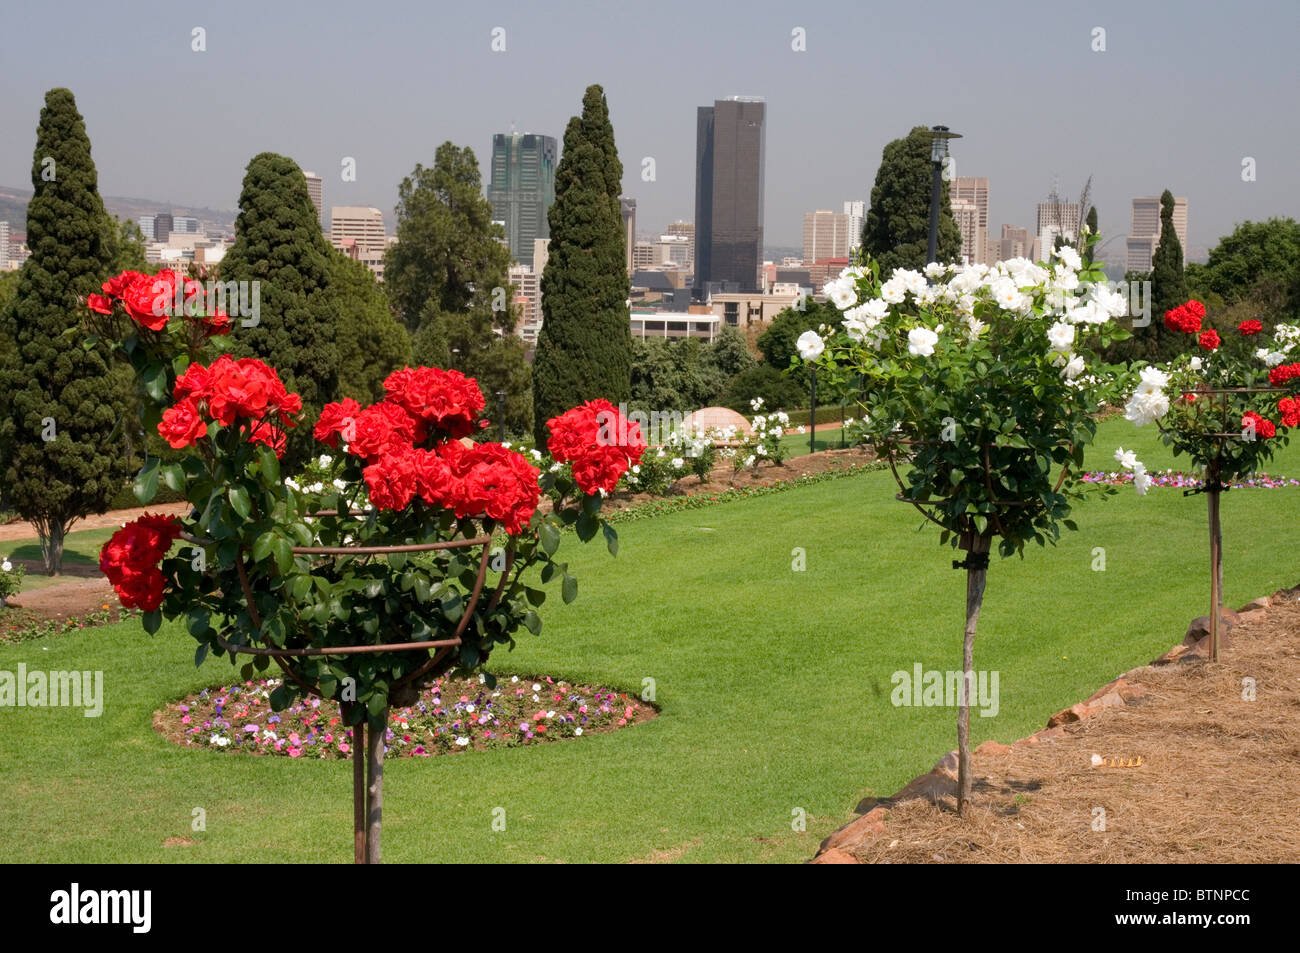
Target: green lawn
{"points": [[80, 549], [774, 687]]}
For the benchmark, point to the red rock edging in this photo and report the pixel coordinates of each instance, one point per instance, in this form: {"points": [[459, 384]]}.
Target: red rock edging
{"points": [[941, 780]]}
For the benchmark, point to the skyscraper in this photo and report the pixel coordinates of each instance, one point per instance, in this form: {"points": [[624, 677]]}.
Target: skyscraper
{"points": [[856, 210], [826, 234], [968, 188], [315, 190], [145, 223], [973, 238], [162, 226], [1144, 231], [729, 148], [523, 188], [4, 246], [1056, 218]]}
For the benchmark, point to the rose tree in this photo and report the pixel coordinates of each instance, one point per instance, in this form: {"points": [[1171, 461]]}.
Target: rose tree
{"points": [[984, 381], [367, 591], [1233, 402]]}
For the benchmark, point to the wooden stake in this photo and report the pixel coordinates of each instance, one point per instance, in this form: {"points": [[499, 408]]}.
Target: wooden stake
{"points": [[975, 579]]}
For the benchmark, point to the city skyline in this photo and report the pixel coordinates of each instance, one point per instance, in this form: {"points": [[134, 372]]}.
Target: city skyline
{"points": [[1083, 122]]}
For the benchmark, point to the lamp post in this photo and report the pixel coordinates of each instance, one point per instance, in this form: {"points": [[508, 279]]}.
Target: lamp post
{"points": [[939, 136], [812, 420]]}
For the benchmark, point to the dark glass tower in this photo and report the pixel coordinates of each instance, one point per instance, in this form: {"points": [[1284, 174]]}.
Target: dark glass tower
{"points": [[729, 147], [523, 188]]}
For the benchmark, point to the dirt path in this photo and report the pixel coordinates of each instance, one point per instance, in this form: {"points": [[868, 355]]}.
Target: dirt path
{"points": [[20, 530]]}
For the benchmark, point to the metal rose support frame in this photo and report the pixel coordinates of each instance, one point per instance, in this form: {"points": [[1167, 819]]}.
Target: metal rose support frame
{"points": [[367, 775]]}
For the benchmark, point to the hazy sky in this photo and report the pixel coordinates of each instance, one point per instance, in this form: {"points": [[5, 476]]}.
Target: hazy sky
{"points": [[1182, 93]]}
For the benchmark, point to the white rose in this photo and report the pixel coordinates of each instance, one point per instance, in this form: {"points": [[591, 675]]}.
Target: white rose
{"points": [[921, 342], [6, 566], [1196, 363], [1073, 367], [810, 345], [842, 293], [1069, 257], [1061, 336], [1126, 458]]}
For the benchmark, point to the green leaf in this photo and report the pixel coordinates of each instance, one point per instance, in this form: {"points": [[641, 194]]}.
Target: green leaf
{"points": [[587, 527], [270, 465], [152, 621], [375, 704], [532, 622], [283, 554], [154, 380], [173, 477], [196, 621], [262, 546], [611, 538], [421, 587], [300, 586], [535, 596], [569, 588], [549, 537], [200, 654], [240, 502], [146, 484]]}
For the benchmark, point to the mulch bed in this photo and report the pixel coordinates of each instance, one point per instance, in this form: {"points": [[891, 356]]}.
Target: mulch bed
{"points": [[1186, 767]]}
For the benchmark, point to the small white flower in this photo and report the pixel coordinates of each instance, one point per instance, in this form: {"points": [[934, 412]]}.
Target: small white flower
{"points": [[810, 345], [678, 462], [462, 741], [921, 342], [841, 292], [1126, 458], [1061, 336], [6, 566], [577, 731], [1069, 257], [1196, 364], [1073, 367], [536, 687], [514, 678], [636, 468]]}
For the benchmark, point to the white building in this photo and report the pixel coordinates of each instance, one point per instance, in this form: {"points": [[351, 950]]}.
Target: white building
{"points": [[856, 210]]}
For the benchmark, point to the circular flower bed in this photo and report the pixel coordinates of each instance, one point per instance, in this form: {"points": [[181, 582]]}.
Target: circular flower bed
{"points": [[1181, 480], [452, 714]]}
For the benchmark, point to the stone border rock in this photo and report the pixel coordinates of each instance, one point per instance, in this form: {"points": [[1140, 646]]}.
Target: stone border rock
{"points": [[941, 780]]}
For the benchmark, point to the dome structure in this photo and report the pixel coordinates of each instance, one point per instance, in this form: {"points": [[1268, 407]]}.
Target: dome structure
{"points": [[720, 418]]}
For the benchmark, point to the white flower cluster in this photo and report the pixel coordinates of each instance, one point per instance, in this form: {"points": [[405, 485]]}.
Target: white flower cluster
{"points": [[1285, 338], [1129, 461], [1149, 402]]}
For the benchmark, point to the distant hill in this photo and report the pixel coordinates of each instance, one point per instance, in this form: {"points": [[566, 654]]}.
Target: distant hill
{"points": [[13, 209]]}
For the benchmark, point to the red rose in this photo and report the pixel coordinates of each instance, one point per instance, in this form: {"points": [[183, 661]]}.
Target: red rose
{"points": [[1195, 309], [1263, 427], [1209, 339], [270, 435], [492, 481], [599, 441], [216, 324], [129, 559], [1289, 408], [392, 479], [141, 590], [196, 382], [445, 400], [115, 286], [182, 425], [381, 428], [100, 304], [337, 420], [1249, 328], [1180, 319], [149, 299], [1283, 373]]}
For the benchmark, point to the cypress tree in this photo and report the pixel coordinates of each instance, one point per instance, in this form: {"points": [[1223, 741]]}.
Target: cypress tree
{"points": [[372, 344], [60, 404], [1092, 230], [897, 228], [1168, 284], [584, 350], [280, 245]]}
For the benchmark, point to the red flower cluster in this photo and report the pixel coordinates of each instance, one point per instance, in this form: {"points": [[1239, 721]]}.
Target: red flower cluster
{"points": [[1250, 328], [1209, 339], [226, 391], [130, 560], [150, 300], [443, 400], [1283, 373], [1263, 427], [1186, 317], [1289, 408], [598, 441], [370, 433]]}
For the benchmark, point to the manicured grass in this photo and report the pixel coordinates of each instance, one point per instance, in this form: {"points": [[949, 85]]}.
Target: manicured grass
{"points": [[774, 687], [80, 549], [796, 444]]}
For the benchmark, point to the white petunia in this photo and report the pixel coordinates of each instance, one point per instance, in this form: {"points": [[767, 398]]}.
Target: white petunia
{"points": [[810, 345], [921, 342], [6, 566]]}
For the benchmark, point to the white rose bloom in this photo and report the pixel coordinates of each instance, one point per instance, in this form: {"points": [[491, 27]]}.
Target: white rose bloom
{"points": [[810, 345], [1141, 482], [855, 329], [876, 308], [1069, 257], [976, 327], [1126, 458], [6, 566], [1061, 336], [893, 291], [921, 342], [1008, 296], [841, 292], [1073, 368], [677, 463], [1153, 379], [1196, 364], [749, 460], [1144, 407], [853, 272], [935, 270], [1271, 358]]}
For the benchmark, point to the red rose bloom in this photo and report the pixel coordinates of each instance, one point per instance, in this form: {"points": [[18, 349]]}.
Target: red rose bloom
{"points": [[492, 481], [1209, 340], [1283, 373], [1195, 309], [445, 400], [270, 435], [1180, 319], [1250, 328], [1289, 408], [334, 422], [599, 441], [393, 479], [183, 424], [100, 304], [1263, 427], [129, 559], [381, 428], [141, 590], [196, 382], [115, 286], [149, 299]]}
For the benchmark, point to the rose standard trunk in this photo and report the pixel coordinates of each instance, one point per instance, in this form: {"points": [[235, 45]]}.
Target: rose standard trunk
{"points": [[977, 562]]}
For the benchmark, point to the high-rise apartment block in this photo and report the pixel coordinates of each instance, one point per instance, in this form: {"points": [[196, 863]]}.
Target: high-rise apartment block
{"points": [[974, 239], [522, 188], [145, 224], [1053, 219], [729, 154], [856, 210], [1144, 231], [316, 191], [1013, 243], [358, 232], [826, 234], [967, 216], [162, 226], [4, 246], [685, 230]]}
